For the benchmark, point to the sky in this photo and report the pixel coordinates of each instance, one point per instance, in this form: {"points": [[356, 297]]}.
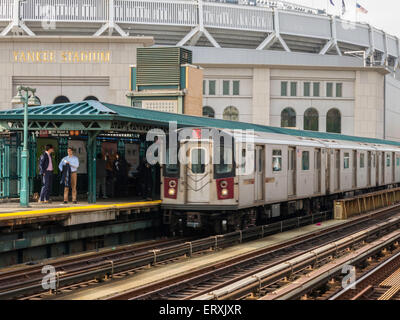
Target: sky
{"points": [[382, 14]]}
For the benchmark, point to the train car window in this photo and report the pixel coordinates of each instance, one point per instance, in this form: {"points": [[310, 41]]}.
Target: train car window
{"points": [[388, 160], [373, 161], [276, 160], [198, 160], [346, 160], [226, 167], [362, 163], [398, 161], [306, 160]]}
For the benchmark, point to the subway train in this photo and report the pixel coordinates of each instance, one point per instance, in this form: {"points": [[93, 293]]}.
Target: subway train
{"points": [[262, 177]]}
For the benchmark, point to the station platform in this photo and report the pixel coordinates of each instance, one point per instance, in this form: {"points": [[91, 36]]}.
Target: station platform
{"points": [[13, 214], [161, 272]]}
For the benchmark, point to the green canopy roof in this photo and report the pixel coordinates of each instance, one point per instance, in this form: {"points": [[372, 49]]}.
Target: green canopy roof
{"points": [[101, 111]]}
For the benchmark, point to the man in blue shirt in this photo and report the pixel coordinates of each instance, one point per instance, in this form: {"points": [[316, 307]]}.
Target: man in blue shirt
{"points": [[73, 162]]}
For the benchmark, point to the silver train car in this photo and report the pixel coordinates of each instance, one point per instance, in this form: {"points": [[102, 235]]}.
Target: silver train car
{"points": [[272, 177]]}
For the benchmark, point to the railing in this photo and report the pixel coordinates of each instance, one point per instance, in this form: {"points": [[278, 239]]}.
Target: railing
{"points": [[156, 12], [243, 14], [65, 10], [350, 207], [231, 17], [6, 10]]}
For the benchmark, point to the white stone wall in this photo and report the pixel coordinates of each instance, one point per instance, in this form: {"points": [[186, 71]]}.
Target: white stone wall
{"points": [[369, 104], [260, 101], [392, 117]]}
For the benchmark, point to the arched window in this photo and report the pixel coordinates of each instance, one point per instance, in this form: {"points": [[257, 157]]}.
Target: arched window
{"points": [[90, 98], [288, 118], [208, 112], [231, 113], [61, 99], [334, 121], [311, 119]]}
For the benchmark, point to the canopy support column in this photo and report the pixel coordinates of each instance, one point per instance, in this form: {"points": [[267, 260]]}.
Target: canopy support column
{"points": [[91, 150]]}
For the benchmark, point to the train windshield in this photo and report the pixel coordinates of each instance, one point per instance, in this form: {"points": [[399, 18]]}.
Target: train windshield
{"points": [[171, 168], [225, 167]]}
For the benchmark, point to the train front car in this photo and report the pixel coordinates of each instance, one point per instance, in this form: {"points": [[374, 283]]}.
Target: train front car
{"points": [[199, 183]]}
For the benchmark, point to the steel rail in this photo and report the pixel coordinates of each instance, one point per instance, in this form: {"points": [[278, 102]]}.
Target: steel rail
{"points": [[365, 277], [165, 288], [290, 267], [80, 270]]}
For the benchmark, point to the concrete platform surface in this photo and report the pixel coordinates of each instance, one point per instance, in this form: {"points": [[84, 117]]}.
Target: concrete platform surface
{"points": [[160, 272]]}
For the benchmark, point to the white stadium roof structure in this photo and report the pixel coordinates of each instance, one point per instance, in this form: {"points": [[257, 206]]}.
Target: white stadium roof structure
{"points": [[243, 24]]}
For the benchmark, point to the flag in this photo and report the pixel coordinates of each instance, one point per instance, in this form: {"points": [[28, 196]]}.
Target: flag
{"points": [[361, 9], [343, 7]]}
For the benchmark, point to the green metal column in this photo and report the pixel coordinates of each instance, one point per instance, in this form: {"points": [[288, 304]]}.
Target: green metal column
{"points": [[4, 168], [91, 150]]}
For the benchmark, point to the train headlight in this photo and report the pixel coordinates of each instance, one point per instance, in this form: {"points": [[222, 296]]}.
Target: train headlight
{"points": [[171, 191], [224, 192]]}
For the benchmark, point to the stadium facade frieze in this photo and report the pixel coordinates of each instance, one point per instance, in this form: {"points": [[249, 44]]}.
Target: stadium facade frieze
{"points": [[69, 68]]}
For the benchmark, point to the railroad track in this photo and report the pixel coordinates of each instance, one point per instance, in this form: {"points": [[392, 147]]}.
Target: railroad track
{"points": [[27, 280], [203, 283], [381, 282], [75, 272]]}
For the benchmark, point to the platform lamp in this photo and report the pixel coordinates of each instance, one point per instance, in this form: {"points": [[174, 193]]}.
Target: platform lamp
{"points": [[26, 100]]}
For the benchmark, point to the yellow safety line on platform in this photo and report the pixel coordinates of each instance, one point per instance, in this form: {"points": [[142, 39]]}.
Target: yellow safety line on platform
{"points": [[67, 209]]}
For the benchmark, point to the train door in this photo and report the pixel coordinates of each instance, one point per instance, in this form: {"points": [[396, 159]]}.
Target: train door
{"points": [[382, 164], [259, 173], [377, 168], [291, 171], [354, 169], [393, 167], [337, 170], [369, 168], [317, 171], [198, 174], [328, 171]]}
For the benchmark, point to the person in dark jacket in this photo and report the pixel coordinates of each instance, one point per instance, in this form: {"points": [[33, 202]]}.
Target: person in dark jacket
{"points": [[66, 176], [121, 173], [101, 175], [146, 179], [46, 171]]}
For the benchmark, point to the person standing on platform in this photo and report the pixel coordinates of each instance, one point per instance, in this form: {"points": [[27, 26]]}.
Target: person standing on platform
{"points": [[46, 171], [110, 174], [101, 175], [73, 162], [121, 173]]}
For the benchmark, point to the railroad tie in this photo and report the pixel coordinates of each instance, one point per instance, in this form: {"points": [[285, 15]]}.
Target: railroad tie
{"points": [[394, 283]]}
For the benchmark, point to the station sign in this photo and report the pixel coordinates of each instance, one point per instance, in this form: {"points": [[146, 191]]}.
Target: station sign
{"points": [[57, 133]]}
